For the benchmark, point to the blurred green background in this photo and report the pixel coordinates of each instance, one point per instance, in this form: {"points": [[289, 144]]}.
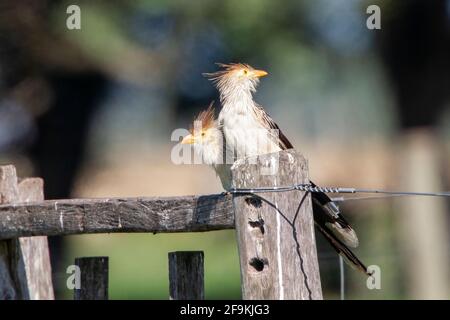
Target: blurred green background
{"points": [[139, 263], [92, 111]]}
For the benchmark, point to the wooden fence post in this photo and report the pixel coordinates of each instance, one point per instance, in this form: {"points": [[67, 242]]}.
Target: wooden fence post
{"points": [[94, 278], [186, 275], [25, 270], [275, 230]]}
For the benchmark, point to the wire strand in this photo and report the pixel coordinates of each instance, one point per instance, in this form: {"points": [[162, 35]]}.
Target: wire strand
{"points": [[311, 188], [385, 196]]}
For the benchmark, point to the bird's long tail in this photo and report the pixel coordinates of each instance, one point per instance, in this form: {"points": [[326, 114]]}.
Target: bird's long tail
{"points": [[336, 229]]}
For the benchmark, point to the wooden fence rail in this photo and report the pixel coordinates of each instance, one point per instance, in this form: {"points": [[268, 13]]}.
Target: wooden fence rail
{"points": [[275, 234], [82, 216]]}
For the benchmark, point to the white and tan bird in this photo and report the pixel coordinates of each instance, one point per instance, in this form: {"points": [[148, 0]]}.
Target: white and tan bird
{"points": [[207, 139], [248, 131]]}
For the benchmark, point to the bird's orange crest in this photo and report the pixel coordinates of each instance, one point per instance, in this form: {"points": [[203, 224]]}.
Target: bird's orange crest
{"points": [[227, 69], [205, 118]]}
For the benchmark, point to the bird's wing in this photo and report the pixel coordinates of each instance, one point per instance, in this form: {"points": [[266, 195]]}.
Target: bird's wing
{"points": [[336, 230], [276, 133], [342, 249], [327, 214]]}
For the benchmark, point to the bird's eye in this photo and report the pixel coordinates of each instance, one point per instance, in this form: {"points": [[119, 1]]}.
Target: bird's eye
{"points": [[203, 134], [245, 71]]}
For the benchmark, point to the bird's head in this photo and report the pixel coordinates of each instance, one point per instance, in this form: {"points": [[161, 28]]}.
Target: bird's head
{"points": [[206, 136], [236, 78]]}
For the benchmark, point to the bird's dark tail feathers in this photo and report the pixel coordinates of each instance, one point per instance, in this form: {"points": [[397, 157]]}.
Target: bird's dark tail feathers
{"points": [[349, 257], [336, 229]]}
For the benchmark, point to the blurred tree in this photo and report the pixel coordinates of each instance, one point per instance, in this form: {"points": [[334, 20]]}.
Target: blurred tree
{"points": [[414, 44]]}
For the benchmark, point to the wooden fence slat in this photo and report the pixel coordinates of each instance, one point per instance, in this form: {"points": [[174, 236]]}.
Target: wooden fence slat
{"points": [[276, 240], [186, 275], [34, 250], [93, 278], [81, 216], [8, 193], [25, 270]]}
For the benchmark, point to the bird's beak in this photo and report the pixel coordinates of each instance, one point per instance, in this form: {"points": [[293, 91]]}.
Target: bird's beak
{"points": [[260, 73], [189, 139]]}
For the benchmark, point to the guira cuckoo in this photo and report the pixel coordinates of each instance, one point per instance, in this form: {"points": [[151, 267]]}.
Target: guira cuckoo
{"points": [[207, 139], [248, 130]]}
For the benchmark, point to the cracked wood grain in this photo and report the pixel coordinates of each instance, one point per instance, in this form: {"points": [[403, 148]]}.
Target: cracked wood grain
{"points": [[275, 231], [186, 275], [155, 214], [94, 278]]}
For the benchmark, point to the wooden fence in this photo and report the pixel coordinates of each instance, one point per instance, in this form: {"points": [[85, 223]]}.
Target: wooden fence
{"points": [[275, 233]]}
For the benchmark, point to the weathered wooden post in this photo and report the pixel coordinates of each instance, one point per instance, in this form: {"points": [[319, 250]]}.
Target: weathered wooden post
{"points": [[275, 230], [25, 271], [186, 275], [94, 277]]}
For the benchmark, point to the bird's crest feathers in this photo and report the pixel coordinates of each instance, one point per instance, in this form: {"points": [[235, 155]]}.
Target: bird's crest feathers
{"points": [[206, 118], [227, 69]]}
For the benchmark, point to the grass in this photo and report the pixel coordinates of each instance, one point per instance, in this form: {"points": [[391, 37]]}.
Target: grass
{"points": [[139, 263]]}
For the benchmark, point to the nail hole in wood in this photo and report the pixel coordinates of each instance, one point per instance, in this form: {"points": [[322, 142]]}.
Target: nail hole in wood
{"points": [[258, 264], [258, 224], [254, 202]]}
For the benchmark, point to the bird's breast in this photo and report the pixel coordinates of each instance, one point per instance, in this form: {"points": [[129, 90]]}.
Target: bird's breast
{"points": [[246, 136]]}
